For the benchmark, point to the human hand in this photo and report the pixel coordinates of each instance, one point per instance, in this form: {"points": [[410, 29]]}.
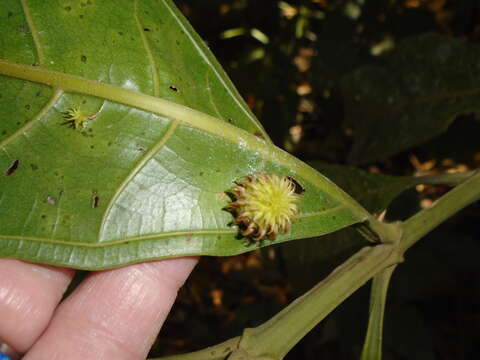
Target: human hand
{"points": [[112, 314]]}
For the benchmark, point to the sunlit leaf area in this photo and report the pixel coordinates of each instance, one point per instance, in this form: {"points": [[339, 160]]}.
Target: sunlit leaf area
{"points": [[370, 93]]}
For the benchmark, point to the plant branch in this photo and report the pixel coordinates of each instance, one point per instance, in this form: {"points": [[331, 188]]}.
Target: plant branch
{"points": [[441, 179], [372, 347], [295, 321], [426, 220], [216, 352]]}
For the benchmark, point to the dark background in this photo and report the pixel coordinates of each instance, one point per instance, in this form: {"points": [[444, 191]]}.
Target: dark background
{"points": [[300, 65]]}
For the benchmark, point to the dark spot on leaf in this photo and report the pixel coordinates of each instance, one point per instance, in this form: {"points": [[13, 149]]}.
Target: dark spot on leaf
{"points": [[19, 123], [34, 167], [259, 135], [83, 58], [109, 143], [22, 28], [217, 170], [141, 149], [230, 120], [83, 4], [55, 173], [120, 33], [12, 168], [38, 93], [177, 42], [27, 107], [95, 200], [43, 216], [146, 29], [68, 8], [299, 189], [171, 87], [9, 14], [201, 173], [92, 147], [4, 132], [80, 16]]}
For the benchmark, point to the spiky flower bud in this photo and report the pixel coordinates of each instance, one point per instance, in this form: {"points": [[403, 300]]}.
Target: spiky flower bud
{"points": [[264, 205]]}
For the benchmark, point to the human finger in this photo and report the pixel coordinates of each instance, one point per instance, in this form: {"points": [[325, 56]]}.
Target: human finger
{"points": [[114, 314], [29, 294]]}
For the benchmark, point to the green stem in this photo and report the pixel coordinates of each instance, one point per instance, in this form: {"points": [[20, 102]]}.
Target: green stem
{"points": [[372, 347], [217, 352], [426, 220], [441, 179], [295, 321]]}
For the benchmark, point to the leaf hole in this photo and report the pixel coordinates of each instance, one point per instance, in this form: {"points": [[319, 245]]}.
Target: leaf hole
{"points": [[299, 189], [12, 168]]}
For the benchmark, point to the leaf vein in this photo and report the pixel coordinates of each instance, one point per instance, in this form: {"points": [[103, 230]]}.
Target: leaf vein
{"points": [[234, 95], [140, 165], [53, 99], [119, 241], [33, 31], [156, 86]]}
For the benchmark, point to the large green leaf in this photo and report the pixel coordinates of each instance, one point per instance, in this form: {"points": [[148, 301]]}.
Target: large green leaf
{"points": [[146, 178], [423, 86]]}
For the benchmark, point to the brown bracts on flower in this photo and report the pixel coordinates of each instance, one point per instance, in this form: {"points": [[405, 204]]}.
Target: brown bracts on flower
{"points": [[263, 205]]}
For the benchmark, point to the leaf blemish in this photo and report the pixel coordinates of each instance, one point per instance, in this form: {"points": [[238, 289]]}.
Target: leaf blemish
{"points": [[171, 87], [95, 200], [146, 29], [12, 168], [83, 58], [51, 200]]}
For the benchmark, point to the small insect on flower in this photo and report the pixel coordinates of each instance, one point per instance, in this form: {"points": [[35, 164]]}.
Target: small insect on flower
{"points": [[263, 205], [76, 117]]}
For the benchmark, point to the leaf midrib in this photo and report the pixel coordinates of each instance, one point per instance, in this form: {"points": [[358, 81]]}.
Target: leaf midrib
{"points": [[185, 115]]}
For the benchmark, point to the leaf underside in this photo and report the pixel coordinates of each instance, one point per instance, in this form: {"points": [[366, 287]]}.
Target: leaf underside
{"points": [[132, 185]]}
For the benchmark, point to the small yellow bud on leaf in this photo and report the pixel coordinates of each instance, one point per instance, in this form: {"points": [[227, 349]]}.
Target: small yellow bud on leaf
{"points": [[76, 117]]}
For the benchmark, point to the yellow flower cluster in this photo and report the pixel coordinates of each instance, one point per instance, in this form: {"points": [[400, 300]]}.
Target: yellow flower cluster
{"points": [[264, 205]]}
